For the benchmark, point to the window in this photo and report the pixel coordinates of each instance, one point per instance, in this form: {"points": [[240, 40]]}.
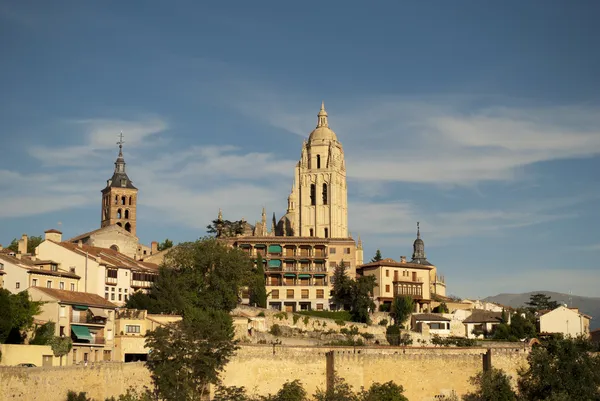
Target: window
{"points": [[326, 233], [324, 193], [275, 294], [119, 213], [332, 265], [319, 306], [387, 273], [312, 233], [17, 285], [106, 295], [346, 251], [111, 273], [130, 200], [72, 269], [61, 285], [290, 294], [304, 294], [112, 297], [49, 284], [61, 331], [320, 293], [125, 290], [34, 282], [63, 311], [123, 197], [116, 199], [132, 329], [318, 161], [72, 286], [1, 266], [125, 297], [113, 289], [313, 196], [387, 288], [120, 289], [120, 297], [54, 268], [126, 214], [332, 250]]}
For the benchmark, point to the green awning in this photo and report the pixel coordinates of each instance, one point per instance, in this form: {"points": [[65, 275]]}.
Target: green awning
{"points": [[82, 333], [319, 261], [304, 276], [304, 261], [289, 275], [80, 307], [245, 246], [260, 246], [275, 263], [319, 275], [275, 249]]}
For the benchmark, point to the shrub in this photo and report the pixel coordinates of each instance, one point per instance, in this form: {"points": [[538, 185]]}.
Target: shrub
{"points": [[383, 322], [281, 315], [81, 396], [367, 336], [295, 318], [384, 308], [340, 322], [261, 314], [392, 334], [275, 330], [326, 314]]}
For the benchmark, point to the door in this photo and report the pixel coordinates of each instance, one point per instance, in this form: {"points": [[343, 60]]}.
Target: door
{"points": [[46, 360]]}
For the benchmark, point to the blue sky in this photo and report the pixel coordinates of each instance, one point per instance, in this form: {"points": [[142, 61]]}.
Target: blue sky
{"points": [[479, 120]]}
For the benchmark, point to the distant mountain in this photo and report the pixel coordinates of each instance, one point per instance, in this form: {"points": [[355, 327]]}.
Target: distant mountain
{"points": [[589, 306]]}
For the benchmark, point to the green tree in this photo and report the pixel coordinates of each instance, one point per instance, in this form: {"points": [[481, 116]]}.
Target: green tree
{"points": [[341, 291], [166, 244], [362, 301], [188, 355], [561, 369], [81, 396], [402, 307], [340, 391], [441, 308], [541, 301], [43, 334], [491, 385], [377, 256], [16, 316], [258, 291], [225, 228], [389, 391], [291, 391], [32, 243], [392, 335], [61, 346]]}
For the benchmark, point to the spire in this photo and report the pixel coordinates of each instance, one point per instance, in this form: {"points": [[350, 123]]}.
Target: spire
{"points": [[322, 121], [418, 231], [120, 163], [273, 224], [360, 244], [220, 216], [419, 249]]}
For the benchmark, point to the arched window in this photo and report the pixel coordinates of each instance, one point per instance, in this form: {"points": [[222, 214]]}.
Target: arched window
{"points": [[119, 212], [123, 200], [119, 224], [114, 248], [130, 200], [324, 193], [318, 161], [116, 199], [326, 233], [313, 195], [126, 214], [312, 233], [128, 227]]}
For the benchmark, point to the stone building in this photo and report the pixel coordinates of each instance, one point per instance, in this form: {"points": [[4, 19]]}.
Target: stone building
{"points": [[302, 249]]}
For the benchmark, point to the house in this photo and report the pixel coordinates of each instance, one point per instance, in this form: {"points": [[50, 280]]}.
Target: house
{"points": [[131, 326], [595, 336], [430, 323], [103, 271], [567, 321], [87, 318], [21, 271], [481, 323]]}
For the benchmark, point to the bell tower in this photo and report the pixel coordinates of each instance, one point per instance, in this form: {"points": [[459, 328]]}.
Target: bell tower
{"points": [[119, 198]]}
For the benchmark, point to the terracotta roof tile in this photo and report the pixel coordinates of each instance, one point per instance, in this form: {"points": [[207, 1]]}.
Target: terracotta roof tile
{"points": [[31, 266], [484, 316], [110, 257], [77, 298]]}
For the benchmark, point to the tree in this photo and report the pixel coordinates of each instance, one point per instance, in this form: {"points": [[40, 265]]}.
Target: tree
{"points": [[291, 391], [541, 301], [441, 308], [32, 243], [341, 292], [16, 316], [402, 307], [491, 385], [377, 256], [43, 334], [61, 346], [389, 391], [258, 291], [340, 391], [166, 244], [225, 228], [205, 274], [353, 294], [561, 369], [188, 355]]}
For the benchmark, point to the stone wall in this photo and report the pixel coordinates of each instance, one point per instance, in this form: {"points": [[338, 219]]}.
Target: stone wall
{"points": [[52, 383]]}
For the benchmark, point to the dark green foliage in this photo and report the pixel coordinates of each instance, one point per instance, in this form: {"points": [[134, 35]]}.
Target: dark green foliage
{"points": [[541, 301], [353, 294], [383, 322], [389, 391], [340, 391], [384, 307], [32, 243], [561, 369], [275, 330], [402, 307], [166, 244], [377, 256], [453, 341], [81, 396], [133, 395], [225, 228], [392, 334], [341, 293], [441, 308], [205, 274], [520, 327], [16, 316], [43, 334], [335, 315], [291, 391], [186, 356], [256, 286], [61, 346], [492, 385]]}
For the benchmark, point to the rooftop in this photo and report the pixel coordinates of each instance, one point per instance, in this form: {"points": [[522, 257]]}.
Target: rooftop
{"points": [[77, 298], [108, 257]]}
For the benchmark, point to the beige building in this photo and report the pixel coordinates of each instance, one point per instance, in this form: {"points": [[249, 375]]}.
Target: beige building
{"points": [[567, 321], [103, 271], [131, 326], [87, 318], [19, 272], [302, 249]]}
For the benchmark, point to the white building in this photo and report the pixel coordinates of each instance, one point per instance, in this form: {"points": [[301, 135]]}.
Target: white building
{"points": [[567, 321]]}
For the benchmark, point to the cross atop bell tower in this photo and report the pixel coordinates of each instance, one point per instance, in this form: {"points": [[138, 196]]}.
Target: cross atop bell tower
{"points": [[119, 197]]}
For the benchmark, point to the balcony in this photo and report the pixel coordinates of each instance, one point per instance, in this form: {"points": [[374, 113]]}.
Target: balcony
{"points": [[94, 341], [141, 284], [111, 280], [305, 269], [87, 319]]}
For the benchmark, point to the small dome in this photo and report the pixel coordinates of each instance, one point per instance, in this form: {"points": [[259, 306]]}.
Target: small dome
{"points": [[324, 133]]}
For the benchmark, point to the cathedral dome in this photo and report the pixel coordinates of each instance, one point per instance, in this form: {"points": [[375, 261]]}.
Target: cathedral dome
{"points": [[322, 132]]}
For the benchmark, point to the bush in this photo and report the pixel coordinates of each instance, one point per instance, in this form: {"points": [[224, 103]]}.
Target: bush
{"points": [[340, 322], [384, 307], [275, 330], [392, 334], [383, 322], [261, 314], [73, 396], [367, 336], [453, 341], [335, 315]]}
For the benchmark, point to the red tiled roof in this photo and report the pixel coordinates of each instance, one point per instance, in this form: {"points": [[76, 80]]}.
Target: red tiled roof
{"points": [[109, 257], [77, 298], [31, 266], [52, 230]]}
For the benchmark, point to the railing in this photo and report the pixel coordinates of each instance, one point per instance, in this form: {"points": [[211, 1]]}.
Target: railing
{"points": [[88, 319], [94, 341], [111, 280], [304, 269], [139, 284]]}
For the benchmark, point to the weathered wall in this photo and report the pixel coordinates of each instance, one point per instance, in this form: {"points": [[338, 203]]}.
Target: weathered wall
{"points": [[14, 354], [99, 381], [424, 372]]}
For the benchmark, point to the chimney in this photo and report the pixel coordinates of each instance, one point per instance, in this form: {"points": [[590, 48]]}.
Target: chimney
{"points": [[154, 247], [402, 259], [80, 243], [53, 235], [23, 244], [18, 256]]}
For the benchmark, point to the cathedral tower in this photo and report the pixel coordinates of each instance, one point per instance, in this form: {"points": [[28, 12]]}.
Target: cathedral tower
{"points": [[119, 198], [318, 203]]}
